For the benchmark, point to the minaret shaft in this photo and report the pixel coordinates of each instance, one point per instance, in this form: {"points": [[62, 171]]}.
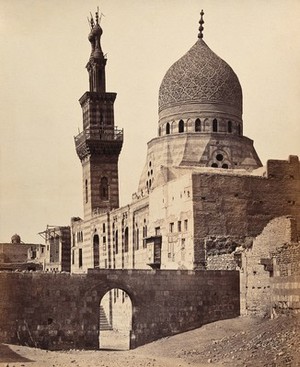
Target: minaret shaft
{"points": [[99, 144]]}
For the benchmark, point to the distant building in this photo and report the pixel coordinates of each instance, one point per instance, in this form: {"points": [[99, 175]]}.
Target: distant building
{"points": [[21, 256], [58, 245]]}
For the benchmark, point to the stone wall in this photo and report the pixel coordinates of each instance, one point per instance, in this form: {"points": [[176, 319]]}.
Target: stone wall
{"points": [[286, 280], [239, 205], [259, 279], [61, 311]]}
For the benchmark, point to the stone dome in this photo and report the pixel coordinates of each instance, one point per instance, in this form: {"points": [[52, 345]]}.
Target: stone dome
{"points": [[15, 239], [201, 78]]}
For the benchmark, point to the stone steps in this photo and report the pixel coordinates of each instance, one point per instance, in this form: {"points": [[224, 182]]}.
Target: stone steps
{"points": [[104, 324]]}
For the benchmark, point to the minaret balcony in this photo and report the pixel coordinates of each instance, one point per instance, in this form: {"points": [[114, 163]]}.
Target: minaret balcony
{"points": [[99, 141], [99, 133]]}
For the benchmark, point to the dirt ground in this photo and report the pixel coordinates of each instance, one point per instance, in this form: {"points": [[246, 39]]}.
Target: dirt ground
{"points": [[244, 341]]}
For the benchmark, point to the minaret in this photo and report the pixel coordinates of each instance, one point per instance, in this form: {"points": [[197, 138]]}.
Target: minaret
{"points": [[99, 144]]}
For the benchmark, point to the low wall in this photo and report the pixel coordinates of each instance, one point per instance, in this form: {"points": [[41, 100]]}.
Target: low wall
{"points": [[61, 311]]}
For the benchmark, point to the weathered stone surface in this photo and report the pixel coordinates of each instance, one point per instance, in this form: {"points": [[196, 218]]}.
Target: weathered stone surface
{"points": [[61, 311]]}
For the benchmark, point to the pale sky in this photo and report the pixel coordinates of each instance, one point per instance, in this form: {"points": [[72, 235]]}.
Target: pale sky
{"points": [[44, 50]]}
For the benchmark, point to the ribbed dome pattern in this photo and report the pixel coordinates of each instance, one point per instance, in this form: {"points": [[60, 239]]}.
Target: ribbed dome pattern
{"points": [[200, 77]]}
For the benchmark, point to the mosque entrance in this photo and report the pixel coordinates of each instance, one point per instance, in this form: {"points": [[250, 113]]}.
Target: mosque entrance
{"points": [[115, 320]]}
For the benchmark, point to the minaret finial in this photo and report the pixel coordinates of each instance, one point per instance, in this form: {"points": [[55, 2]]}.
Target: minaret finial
{"points": [[92, 21], [201, 28], [97, 16]]}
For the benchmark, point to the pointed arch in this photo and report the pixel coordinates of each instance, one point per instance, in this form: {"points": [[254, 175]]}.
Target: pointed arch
{"points": [[181, 126], [198, 125], [96, 250], [168, 128], [126, 238]]}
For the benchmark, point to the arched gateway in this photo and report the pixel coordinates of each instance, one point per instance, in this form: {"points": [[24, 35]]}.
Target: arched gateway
{"points": [[115, 320], [164, 303]]}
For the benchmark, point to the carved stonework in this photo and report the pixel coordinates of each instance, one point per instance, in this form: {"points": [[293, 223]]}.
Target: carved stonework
{"points": [[200, 76]]}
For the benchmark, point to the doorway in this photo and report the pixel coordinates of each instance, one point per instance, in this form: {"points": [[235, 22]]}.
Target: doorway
{"points": [[115, 321]]}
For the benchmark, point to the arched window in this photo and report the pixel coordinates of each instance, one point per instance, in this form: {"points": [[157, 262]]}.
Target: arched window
{"points": [[137, 238], [181, 126], [86, 191], [126, 239], [104, 188], [197, 125], [96, 250], [116, 242], [215, 125], [144, 234], [229, 126], [168, 129]]}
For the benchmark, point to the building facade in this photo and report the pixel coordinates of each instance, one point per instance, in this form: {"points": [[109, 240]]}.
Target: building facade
{"points": [[57, 248], [203, 191]]}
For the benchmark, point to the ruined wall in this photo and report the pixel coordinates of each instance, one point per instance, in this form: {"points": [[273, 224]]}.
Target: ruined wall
{"points": [[61, 311], [15, 253], [237, 206], [286, 279], [257, 272]]}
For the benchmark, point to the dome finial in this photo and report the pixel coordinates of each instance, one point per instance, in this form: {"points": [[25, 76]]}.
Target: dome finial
{"points": [[201, 28]]}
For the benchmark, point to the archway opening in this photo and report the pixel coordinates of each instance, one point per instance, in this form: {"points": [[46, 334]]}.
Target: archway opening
{"points": [[115, 321]]}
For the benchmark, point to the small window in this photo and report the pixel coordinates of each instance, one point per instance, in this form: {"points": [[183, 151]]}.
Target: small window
{"points": [[168, 129], [179, 226], [225, 165], [86, 191], [80, 258], [157, 231], [116, 242], [219, 157], [126, 239], [171, 227], [197, 125], [214, 165], [103, 227], [185, 224], [137, 239], [229, 126], [144, 235], [215, 125], [181, 126], [104, 243], [104, 188]]}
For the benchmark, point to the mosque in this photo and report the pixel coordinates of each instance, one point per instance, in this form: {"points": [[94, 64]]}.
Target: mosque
{"points": [[203, 196], [204, 202]]}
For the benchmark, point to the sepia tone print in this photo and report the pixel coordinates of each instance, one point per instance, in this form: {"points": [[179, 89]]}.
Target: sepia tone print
{"points": [[200, 267]]}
